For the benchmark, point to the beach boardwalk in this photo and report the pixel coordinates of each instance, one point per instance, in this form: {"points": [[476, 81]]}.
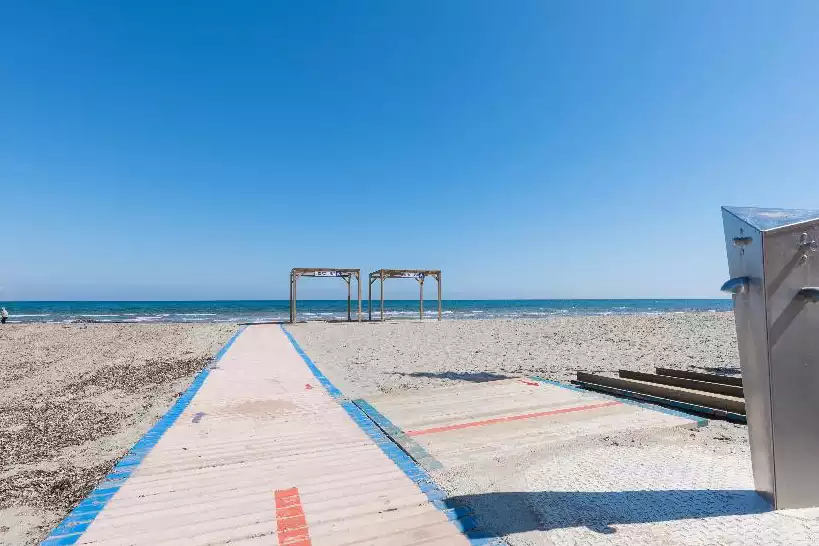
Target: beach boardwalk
{"points": [[267, 451], [450, 426], [543, 463]]}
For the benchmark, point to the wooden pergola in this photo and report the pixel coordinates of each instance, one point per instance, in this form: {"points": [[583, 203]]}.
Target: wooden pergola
{"points": [[417, 274], [345, 274]]}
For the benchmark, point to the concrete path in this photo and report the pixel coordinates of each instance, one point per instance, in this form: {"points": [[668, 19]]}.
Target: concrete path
{"points": [[264, 454]]}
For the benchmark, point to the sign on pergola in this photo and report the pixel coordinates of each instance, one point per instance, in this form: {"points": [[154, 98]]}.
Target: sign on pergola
{"points": [[417, 274], [344, 274]]}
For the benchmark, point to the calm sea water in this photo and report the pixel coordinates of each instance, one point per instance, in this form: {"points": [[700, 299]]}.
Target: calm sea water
{"points": [[274, 310]]}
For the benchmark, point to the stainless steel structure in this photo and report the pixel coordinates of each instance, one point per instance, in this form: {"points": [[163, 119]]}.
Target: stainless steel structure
{"points": [[774, 270], [345, 274]]}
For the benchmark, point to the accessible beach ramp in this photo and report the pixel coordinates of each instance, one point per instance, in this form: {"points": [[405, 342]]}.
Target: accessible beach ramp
{"points": [[444, 427], [264, 450]]}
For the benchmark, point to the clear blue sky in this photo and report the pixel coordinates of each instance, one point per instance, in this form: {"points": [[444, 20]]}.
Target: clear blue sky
{"points": [[197, 150]]}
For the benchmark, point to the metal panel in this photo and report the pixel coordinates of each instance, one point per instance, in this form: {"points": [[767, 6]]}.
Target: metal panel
{"points": [[775, 273], [745, 259], [793, 323], [771, 219]]}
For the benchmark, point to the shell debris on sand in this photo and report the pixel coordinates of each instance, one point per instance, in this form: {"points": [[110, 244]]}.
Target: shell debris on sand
{"points": [[74, 399]]}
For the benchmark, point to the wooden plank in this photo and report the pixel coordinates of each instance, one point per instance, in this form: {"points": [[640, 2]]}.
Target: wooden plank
{"points": [[704, 386], [699, 376], [684, 406], [718, 401]]}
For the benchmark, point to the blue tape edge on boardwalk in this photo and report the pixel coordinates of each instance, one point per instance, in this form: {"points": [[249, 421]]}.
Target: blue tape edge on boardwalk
{"points": [[700, 421], [75, 523], [410, 446], [460, 516]]}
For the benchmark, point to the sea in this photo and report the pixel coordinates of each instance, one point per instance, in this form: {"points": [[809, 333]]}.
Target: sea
{"points": [[253, 311]]}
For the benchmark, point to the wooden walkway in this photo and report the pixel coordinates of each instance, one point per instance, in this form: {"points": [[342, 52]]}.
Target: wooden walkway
{"points": [[264, 450]]}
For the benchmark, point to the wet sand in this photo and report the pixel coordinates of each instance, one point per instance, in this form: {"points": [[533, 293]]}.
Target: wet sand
{"points": [[74, 399]]}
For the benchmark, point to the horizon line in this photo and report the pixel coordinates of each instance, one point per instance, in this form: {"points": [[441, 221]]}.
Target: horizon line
{"points": [[363, 300]]}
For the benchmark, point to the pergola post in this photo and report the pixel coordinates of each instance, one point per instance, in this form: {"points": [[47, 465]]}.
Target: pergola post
{"points": [[295, 285], [349, 281], [439, 295], [358, 284], [291, 297], [370, 299], [382, 295], [421, 299]]}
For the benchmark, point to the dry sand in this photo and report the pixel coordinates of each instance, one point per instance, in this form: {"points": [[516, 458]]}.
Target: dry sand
{"points": [[365, 359], [369, 358], [74, 399], [526, 494]]}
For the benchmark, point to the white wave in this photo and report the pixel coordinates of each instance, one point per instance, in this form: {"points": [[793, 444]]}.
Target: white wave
{"points": [[99, 315], [152, 318], [43, 315], [195, 314]]}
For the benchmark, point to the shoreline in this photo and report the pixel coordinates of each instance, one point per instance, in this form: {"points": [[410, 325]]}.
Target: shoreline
{"points": [[257, 311]]}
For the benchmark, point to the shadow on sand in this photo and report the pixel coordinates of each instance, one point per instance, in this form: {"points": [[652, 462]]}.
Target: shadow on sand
{"points": [[720, 370], [508, 513], [473, 377]]}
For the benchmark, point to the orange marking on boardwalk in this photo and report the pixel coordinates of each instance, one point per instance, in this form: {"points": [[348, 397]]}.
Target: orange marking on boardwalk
{"points": [[511, 418], [290, 521]]}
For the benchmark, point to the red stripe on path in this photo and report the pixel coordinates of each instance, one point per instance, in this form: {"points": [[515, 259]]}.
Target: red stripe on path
{"points": [[511, 418], [529, 383], [290, 521]]}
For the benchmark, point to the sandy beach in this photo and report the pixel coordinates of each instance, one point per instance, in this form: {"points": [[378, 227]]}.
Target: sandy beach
{"points": [[376, 358], [517, 490], [74, 399], [370, 358]]}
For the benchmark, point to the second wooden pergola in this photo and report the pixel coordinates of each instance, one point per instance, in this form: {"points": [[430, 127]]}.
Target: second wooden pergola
{"points": [[417, 274]]}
